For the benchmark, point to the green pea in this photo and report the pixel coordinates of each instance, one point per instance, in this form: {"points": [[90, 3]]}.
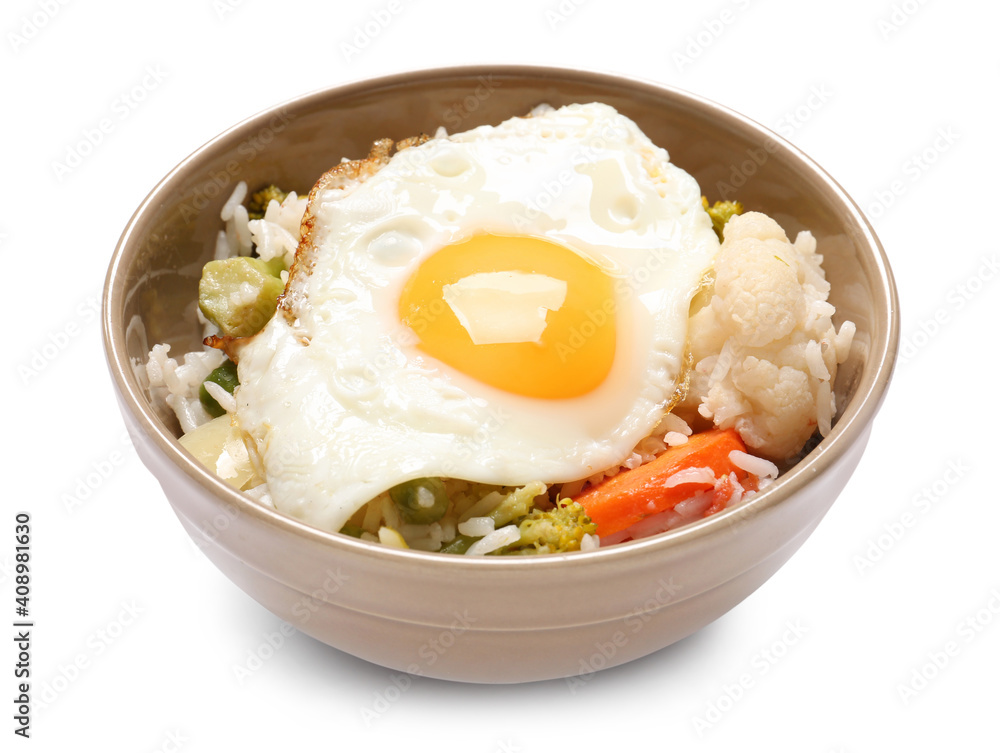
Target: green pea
{"points": [[350, 529], [224, 376], [420, 501]]}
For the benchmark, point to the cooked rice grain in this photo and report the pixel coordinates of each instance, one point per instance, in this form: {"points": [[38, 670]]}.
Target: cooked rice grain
{"points": [[494, 540], [752, 464]]}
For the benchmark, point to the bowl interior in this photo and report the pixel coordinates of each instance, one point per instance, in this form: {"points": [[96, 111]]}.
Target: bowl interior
{"points": [[152, 284]]}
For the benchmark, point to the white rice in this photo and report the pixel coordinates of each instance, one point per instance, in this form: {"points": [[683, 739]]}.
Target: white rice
{"points": [[722, 363], [222, 249], [178, 385], [482, 507], [494, 540], [632, 462], [190, 414], [571, 488], [271, 239], [690, 476], [223, 397], [390, 513], [842, 341], [752, 464], [818, 306], [477, 527], [428, 538], [237, 197], [241, 224], [733, 482], [693, 507], [650, 447], [448, 529], [244, 295], [673, 424], [232, 241], [814, 361]]}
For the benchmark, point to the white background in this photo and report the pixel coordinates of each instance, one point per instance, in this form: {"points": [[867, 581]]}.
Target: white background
{"points": [[138, 639]]}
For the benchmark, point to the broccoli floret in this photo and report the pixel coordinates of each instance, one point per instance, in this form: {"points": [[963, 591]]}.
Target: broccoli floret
{"points": [[721, 212], [516, 504], [560, 529], [259, 200]]}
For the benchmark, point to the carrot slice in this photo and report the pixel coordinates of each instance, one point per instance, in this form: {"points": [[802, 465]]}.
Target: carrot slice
{"points": [[628, 497]]}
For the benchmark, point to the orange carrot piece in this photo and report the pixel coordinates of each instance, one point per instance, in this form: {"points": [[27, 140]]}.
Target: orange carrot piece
{"points": [[626, 498]]}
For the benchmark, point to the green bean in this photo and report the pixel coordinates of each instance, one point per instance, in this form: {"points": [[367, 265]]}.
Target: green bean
{"points": [[460, 544], [421, 500], [225, 377]]}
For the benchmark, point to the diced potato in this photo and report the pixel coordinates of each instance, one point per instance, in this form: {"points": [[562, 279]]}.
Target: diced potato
{"points": [[218, 446]]}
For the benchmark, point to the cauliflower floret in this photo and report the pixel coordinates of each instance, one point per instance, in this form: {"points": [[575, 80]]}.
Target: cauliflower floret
{"points": [[758, 297], [783, 406], [765, 348]]}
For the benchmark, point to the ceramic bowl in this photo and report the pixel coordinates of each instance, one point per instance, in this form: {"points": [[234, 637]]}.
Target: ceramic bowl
{"points": [[495, 620]]}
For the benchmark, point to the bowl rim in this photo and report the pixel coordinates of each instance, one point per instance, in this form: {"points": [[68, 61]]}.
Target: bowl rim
{"points": [[850, 427]]}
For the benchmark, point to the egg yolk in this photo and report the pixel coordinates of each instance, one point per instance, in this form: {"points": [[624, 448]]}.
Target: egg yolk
{"points": [[520, 313]]}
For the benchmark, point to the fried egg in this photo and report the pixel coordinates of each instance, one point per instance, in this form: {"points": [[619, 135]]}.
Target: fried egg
{"points": [[503, 305]]}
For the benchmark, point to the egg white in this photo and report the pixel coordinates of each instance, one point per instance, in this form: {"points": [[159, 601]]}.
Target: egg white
{"points": [[340, 405]]}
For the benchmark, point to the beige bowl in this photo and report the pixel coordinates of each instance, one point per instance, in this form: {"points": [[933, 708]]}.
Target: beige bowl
{"points": [[491, 619]]}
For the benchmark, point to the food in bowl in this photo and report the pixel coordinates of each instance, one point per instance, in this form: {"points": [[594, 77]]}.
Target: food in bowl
{"points": [[522, 339]]}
